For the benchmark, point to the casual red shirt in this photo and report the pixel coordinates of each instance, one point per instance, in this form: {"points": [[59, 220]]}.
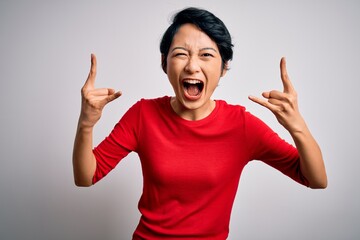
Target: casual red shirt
{"points": [[191, 169]]}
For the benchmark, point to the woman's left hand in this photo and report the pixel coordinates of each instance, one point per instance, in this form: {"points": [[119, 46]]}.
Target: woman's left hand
{"points": [[283, 104], [285, 107]]}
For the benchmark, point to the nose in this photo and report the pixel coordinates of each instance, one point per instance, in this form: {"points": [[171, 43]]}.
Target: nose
{"points": [[192, 65]]}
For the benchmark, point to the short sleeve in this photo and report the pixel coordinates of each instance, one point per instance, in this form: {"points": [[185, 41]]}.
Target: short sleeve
{"points": [[266, 145], [120, 142]]}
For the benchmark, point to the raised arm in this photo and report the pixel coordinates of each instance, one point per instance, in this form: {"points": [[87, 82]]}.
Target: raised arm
{"points": [[285, 107], [92, 103]]}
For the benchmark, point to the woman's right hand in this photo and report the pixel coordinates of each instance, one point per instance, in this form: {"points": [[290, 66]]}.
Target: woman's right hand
{"points": [[93, 100]]}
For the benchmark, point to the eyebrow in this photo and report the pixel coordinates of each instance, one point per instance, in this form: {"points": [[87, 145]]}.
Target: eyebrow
{"points": [[202, 49]]}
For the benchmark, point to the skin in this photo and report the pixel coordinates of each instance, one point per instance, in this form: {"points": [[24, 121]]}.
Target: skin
{"points": [[193, 55], [93, 102], [283, 104]]}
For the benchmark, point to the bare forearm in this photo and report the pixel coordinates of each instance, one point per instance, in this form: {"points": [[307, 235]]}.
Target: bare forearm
{"points": [[285, 108], [84, 162], [311, 161], [92, 103]]}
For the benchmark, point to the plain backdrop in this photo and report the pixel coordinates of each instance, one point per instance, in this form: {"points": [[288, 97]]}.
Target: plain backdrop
{"points": [[45, 49]]}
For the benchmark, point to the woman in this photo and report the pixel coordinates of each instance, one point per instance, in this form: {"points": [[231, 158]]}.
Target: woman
{"points": [[192, 148]]}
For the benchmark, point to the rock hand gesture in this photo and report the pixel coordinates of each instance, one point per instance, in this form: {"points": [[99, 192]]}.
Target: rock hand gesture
{"points": [[93, 101], [285, 108]]}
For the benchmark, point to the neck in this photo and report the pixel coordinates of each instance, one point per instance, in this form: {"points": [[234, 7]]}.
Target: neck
{"points": [[192, 114]]}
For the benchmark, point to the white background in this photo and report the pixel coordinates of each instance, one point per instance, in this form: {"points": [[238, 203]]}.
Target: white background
{"points": [[45, 51]]}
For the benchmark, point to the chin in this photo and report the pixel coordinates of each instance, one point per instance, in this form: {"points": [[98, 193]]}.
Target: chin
{"points": [[193, 105]]}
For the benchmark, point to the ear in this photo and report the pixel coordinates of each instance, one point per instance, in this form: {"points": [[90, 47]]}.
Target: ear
{"points": [[224, 69], [163, 63]]}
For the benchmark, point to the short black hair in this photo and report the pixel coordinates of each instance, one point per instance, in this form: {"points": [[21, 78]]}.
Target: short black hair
{"points": [[206, 22]]}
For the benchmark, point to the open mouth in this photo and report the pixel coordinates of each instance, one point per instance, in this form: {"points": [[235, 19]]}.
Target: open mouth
{"points": [[193, 87]]}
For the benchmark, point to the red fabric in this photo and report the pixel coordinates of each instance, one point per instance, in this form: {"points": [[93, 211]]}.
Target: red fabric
{"points": [[191, 169]]}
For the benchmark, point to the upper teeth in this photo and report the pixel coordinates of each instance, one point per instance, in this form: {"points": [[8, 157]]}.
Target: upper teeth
{"points": [[192, 81]]}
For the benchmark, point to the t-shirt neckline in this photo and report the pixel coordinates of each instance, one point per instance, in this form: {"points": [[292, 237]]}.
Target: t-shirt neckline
{"points": [[202, 121]]}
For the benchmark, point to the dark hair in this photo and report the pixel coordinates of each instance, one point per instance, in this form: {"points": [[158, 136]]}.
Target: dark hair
{"points": [[206, 22]]}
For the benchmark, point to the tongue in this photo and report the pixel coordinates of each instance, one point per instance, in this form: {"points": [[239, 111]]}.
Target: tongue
{"points": [[193, 90]]}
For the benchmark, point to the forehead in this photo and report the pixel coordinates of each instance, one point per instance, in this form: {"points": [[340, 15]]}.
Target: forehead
{"points": [[190, 36]]}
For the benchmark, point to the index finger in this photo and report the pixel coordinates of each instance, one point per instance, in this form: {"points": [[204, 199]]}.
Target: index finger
{"points": [[288, 87], [90, 81]]}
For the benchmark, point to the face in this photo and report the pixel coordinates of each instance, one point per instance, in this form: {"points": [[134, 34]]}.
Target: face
{"points": [[194, 68]]}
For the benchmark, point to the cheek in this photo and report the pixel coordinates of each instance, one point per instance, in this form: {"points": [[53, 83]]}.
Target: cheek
{"points": [[172, 75], [215, 68], [214, 84], [213, 75], [173, 68]]}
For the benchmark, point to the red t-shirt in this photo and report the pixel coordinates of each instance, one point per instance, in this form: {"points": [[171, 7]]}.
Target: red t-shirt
{"points": [[191, 169]]}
